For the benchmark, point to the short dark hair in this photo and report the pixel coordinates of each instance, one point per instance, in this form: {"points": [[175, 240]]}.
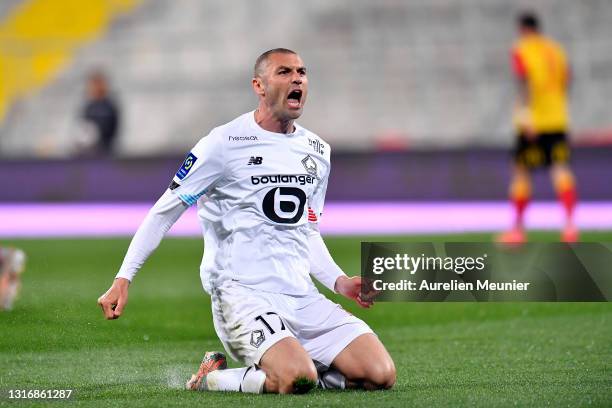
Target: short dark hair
{"points": [[529, 20], [263, 58]]}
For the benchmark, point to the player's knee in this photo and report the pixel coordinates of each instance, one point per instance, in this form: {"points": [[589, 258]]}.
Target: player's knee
{"points": [[298, 379], [381, 375]]}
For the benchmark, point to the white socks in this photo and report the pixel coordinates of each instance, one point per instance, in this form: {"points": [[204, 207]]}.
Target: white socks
{"points": [[251, 380], [246, 379]]}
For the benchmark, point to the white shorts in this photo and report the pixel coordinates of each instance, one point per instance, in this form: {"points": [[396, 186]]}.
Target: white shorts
{"points": [[249, 322]]}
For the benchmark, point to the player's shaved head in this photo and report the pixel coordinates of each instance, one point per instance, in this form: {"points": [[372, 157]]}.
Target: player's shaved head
{"points": [[262, 60], [281, 85]]}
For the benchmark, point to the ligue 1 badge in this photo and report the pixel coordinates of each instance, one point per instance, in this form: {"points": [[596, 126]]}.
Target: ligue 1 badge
{"points": [[187, 166]]}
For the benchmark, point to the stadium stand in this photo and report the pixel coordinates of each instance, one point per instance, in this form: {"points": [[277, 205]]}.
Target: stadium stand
{"points": [[427, 73], [38, 39]]}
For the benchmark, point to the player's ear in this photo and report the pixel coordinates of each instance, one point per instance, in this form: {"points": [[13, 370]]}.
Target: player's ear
{"points": [[258, 86]]}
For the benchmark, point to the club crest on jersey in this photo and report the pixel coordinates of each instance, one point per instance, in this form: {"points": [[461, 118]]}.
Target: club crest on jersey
{"points": [[310, 165], [187, 166], [257, 337]]}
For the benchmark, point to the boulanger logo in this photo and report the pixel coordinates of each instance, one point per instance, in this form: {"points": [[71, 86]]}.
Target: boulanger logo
{"points": [[284, 205], [301, 179]]}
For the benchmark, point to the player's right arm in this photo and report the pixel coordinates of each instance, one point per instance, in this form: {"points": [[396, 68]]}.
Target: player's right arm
{"points": [[198, 174], [166, 211]]}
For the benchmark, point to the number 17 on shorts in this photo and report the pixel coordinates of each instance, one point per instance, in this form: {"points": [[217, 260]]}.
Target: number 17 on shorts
{"points": [[266, 330]]}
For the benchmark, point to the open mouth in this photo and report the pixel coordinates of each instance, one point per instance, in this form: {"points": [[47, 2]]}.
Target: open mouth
{"points": [[294, 98]]}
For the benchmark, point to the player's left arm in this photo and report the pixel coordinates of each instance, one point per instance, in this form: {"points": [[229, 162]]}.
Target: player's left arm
{"points": [[326, 270], [322, 264]]}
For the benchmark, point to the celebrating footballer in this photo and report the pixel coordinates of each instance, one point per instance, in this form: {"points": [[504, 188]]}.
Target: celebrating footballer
{"points": [[259, 184]]}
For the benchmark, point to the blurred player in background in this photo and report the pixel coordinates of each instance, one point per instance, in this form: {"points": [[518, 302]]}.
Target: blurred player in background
{"points": [[102, 116], [259, 183], [542, 120], [12, 264]]}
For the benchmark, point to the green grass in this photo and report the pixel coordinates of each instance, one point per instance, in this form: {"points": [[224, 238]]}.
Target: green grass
{"points": [[447, 354]]}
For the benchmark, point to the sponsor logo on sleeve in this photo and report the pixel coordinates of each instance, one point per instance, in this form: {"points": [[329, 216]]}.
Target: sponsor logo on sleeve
{"points": [[187, 166]]}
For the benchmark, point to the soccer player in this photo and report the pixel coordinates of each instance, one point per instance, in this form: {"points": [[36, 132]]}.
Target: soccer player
{"points": [[541, 118], [12, 264], [259, 183]]}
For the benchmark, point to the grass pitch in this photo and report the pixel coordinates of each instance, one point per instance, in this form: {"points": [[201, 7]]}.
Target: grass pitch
{"points": [[447, 354]]}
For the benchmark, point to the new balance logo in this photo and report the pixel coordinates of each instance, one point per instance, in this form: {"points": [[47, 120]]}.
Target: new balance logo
{"points": [[255, 160]]}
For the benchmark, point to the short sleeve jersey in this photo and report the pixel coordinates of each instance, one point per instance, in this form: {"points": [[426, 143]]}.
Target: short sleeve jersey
{"points": [[256, 192], [542, 63]]}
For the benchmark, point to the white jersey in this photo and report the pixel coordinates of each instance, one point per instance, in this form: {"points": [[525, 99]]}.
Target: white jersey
{"points": [[259, 195], [256, 192]]}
